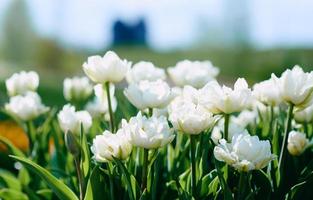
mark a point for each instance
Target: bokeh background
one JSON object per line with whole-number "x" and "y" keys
{"x": 244, "y": 38}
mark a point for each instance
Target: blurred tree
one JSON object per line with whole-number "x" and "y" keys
{"x": 19, "y": 37}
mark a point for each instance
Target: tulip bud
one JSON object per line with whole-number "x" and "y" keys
{"x": 72, "y": 144}
{"x": 297, "y": 142}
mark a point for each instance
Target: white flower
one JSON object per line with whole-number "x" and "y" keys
{"x": 100, "y": 104}
{"x": 267, "y": 92}
{"x": 149, "y": 94}
{"x": 27, "y": 106}
{"x": 194, "y": 73}
{"x": 144, "y": 71}
{"x": 148, "y": 133}
{"x": 245, "y": 152}
{"x": 77, "y": 88}
{"x": 109, "y": 68}
{"x": 246, "y": 117}
{"x": 295, "y": 86}
{"x": 233, "y": 129}
{"x": 20, "y": 83}
{"x": 188, "y": 116}
{"x": 219, "y": 99}
{"x": 108, "y": 145}
{"x": 71, "y": 120}
{"x": 305, "y": 115}
{"x": 297, "y": 143}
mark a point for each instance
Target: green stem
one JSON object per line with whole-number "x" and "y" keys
{"x": 80, "y": 178}
{"x": 241, "y": 186}
{"x": 150, "y": 112}
{"x": 193, "y": 165}
{"x": 226, "y": 125}
{"x": 286, "y": 133}
{"x": 127, "y": 176}
{"x": 107, "y": 87}
{"x": 30, "y": 135}
{"x": 144, "y": 169}
{"x": 305, "y": 128}
{"x": 270, "y": 131}
{"x": 111, "y": 184}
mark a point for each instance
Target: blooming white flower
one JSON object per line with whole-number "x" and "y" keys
{"x": 148, "y": 133}
{"x": 305, "y": 115}
{"x": 267, "y": 92}
{"x": 27, "y": 106}
{"x": 194, "y": 73}
{"x": 20, "y": 83}
{"x": 246, "y": 117}
{"x": 187, "y": 115}
{"x": 109, "y": 145}
{"x": 297, "y": 143}
{"x": 71, "y": 120}
{"x": 109, "y": 68}
{"x": 295, "y": 86}
{"x": 149, "y": 94}
{"x": 77, "y": 88}
{"x": 144, "y": 71}
{"x": 245, "y": 152}
{"x": 219, "y": 99}
{"x": 233, "y": 129}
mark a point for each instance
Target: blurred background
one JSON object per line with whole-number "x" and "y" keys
{"x": 244, "y": 38}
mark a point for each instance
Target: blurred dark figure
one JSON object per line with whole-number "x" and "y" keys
{"x": 126, "y": 34}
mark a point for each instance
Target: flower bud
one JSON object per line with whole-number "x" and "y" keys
{"x": 297, "y": 143}
{"x": 72, "y": 144}
{"x": 77, "y": 89}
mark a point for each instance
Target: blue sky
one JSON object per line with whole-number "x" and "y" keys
{"x": 174, "y": 23}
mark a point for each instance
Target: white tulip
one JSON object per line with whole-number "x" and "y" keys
{"x": 101, "y": 101}
{"x": 297, "y": 143}
{"x": 267, "y": 92}
{"x": 109, "y": 68}
{"x": 194, "y": 73}
{"x": 234, "y": 129}
{"x": 305, "y": 115}
{"x": 246, "y": 117}
{"x": 219, "y": 99}
{"x": 22, "y": 82}
{"x": 148, "y": 133}
{"x": 295, "y": 86}
{"x": 244, "y": 153}
{"x": 108, "y": 146}
{"x": 27, "y": 106}
{"x": 77, "y": 88}
{"x": 144, "y": 71}
{"x": 149, "y": 94}
{"x": 71, "y": 120}
{"x": 187, "y": 115}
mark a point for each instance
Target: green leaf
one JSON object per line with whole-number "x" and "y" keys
{"x": 10, "y": 194}
{"x": 45, "y": 193}
{"x": 58, "y": 187}
{"x": 11, "y": 148}
{"x": 96, "y": 185}
{"x": 85, "y": 154}
{"x": 9, "y": 180}
{"x": 127, "y": 176}
{"x": 205, "y": 183}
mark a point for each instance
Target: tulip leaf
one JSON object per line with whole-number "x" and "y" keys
{"x": 8, "y": 180}
{"x": 205, "y": 183}
{"x": 58, "y": 187}
{"x": 85, "y": 155}
{"x": 96, "y": 185}
{"x": 9, "y": 194}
